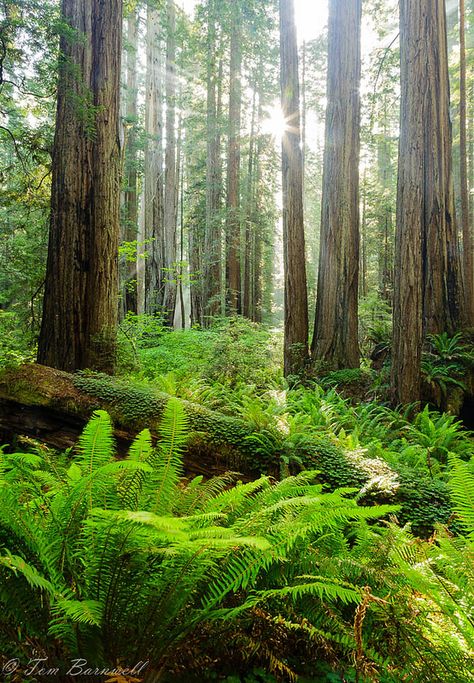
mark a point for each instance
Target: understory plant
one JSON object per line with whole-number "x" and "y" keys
{"x": 120, "y": 560}
{"x": 125, "y": 561}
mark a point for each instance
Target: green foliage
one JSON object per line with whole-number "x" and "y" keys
{"x": 445, "y": 363}
{"x": 439, "y": 433}
{"x": 425, "y": 503}
{"x": 375, "y": 323}
{"x": 15, "y": 346}
{"x": 123, "y": 559}
{"x": 345, "y": 377}
{"x": 232, "y": 352}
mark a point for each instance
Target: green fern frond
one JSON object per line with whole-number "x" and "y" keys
{"x": 461, "y": 483}
{"x": 96, "y": 445}
{"x": 173, "y": 434}
{"x": 130, "y": 486}
{"x": 17, "y": 565}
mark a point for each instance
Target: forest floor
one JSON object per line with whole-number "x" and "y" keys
{"x": 413, "y": 470}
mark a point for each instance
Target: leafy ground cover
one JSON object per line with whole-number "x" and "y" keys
{"x": 330, "y": 573}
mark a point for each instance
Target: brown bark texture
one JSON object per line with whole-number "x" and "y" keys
{"x": 335, "y": 340}
{"x": 425, "y": 26}
{"x": 81, "y": 294}
{"x": 427, "y": 265}
{"x": 294, "y": 259}
{"x": 467, "y": 238}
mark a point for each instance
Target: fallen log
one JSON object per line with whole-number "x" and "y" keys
{"x": 53, "y": 407}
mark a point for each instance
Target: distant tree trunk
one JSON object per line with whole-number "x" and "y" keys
{"x": 212, "y": 249}
{"x": 248, "y": 302}
{"x": 257, "y": 243}
{"x": 385, "y": 218}
{"x": 294, "y": 259}
{"x": 171, "y": 178}
{"x": 80, "y": 304}
{"x": 233, "y": 167}
{"x": 153, "y": 172}
{"x": 130, "y": 233}
{"x": 363, "y": 256}
{"x": 465, "y": 208}
{"x": 220, "y": 183}
{"x": 427, "y": 290}
{"x": 335, "y": 340}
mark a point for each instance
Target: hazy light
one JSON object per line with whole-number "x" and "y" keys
{"x": 311, "y": 18}
{"x": 274, "y": 123}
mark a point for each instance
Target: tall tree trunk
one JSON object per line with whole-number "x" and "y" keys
{"x": 465, "y": 208}
{"x": 248, "y": 302}
{"x": 385, "y": 217}
{"x": 335, "y": 340}
{"x": 363, "y": 256}
{"x": 130, "y": 233}
{"x": 80, "y": 304}
{"x": 427, "y": 290}
{"x": 233, "y": 167}
{"x": 171, "y": 178}
{"x": 443, "y": 304}
{"x": 212, "y": 248}
{"x": 258, "y": 200}
{"x": 153, "y": 172}
{"x": 294, "y": 259}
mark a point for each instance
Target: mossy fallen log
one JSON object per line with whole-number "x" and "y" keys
{"x": 53, "y": 407}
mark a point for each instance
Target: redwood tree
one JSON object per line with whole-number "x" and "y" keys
{"x": 153, "y": 195}
{"x": 80, "y": 303}
{"x": 212, "y": 238}
{"x": 335, "y": 340}
{"x": 468, "y": 260}
{"x": 130, "y": 227}
{"x": 296, "y": 299}
{"x": 428, "y": 293}
{"x": 171, "y": 175}
{"x": 233, "y": 267}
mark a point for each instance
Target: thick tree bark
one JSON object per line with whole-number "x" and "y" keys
{"x": 467, "y": 239}
{"x": 443, "y": 304}
{"x": 80, "y": 304}
{"x": 171, "y": 177}
{"x": 234, "y": 301}
{"x": 130, "y": 232}
{"x": 294, "y": 259}
{"x": 153, "y": 173}
{"x": 427, "y": 285}
{"x": 335, "y": 340}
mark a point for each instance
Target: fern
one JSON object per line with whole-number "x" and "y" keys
{"x": 122, "y": 560}
{"x": 173, "y": 436}
{"x": 462, "y": 491}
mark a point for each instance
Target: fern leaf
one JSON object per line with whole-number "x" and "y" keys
{"x": 96, "y": 446}
{"x": 174, "y": 435}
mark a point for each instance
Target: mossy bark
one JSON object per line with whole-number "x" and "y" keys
{"x": 53, "y": 407}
